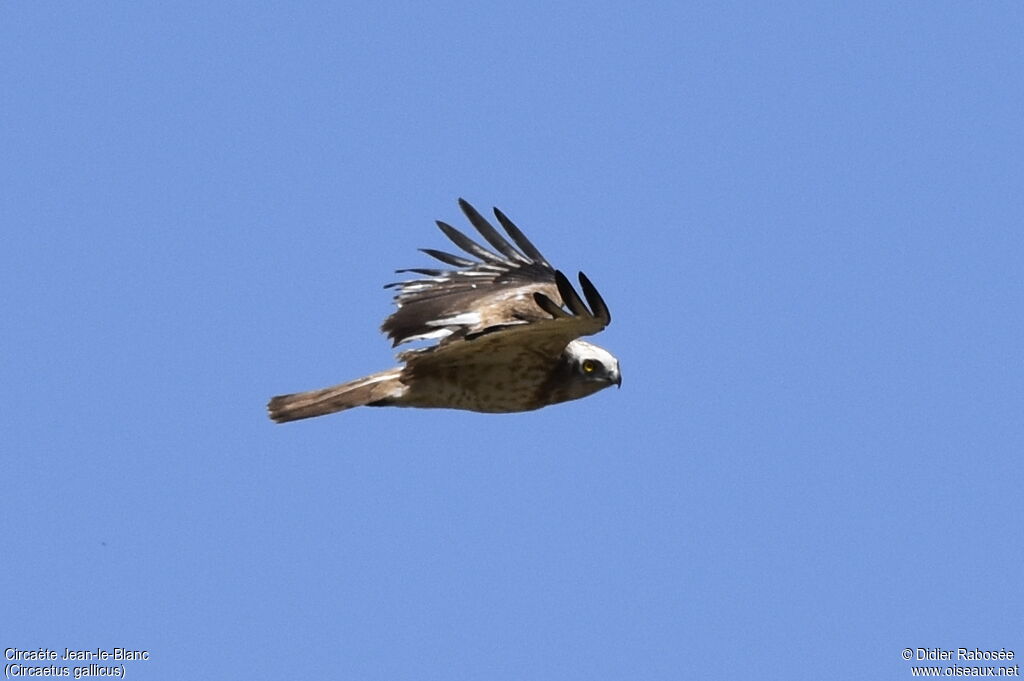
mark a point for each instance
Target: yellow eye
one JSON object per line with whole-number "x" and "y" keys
{"x": 589, "y": 366}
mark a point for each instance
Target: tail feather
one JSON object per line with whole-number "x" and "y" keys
{"x": 373, "y": 390}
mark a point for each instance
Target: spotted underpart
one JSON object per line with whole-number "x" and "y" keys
{"x": 507, "y": 328}
{"x": 491, "y": 388}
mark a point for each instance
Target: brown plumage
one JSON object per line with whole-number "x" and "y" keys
{"x": 507, "y": 327}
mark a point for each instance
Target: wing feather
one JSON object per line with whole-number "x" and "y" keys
{"x": 426, "y": 271}
{"x": 524, "y": 244}
{"x": 545, "y": 337}
{"x": 470, "y": 246}
{"x": 448, "y": 258}
{"x": 511, "y": 286}
{"x": 488, "y": 232}
{"x": 597, "y": 304}
{"x": 549, "y": 306}
{"x": 571, "y": 299}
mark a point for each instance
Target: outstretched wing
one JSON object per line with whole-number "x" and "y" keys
{"x": 537, "y": 344}
{"x": 494, "y": 288}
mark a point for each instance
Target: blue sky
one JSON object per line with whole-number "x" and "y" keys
{"x": 805, "y": 217}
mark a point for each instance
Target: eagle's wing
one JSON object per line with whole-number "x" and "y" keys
{"x": 494, "y": 289}
{"x": 538, "y": 342}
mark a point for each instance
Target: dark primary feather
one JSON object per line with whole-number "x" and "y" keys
{"x": 427, "y": 271}
{"x": 528, "y": 248}
{"x": 597, "y": 311}
{"x": 549, "y": 306}
{"x": 571, "y": 299}
{"x": 446, "y": 258}
{"x": 470, "y": 246}
{"x": 487, "y": 230}
{"x": 597, "y": 304}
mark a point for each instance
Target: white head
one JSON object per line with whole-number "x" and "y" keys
{"x": 584, "y": 369}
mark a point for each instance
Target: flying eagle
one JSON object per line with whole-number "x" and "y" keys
{"x": 507, "y": 327}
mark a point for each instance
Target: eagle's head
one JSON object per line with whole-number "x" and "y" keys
{"x": 584, "y": 369}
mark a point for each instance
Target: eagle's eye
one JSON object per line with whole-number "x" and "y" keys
{"x": 589, "y": 366}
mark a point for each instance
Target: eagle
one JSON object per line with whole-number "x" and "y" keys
{"x": 507, "y": 327}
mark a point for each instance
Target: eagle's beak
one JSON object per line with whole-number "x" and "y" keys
{"x": 618, "y": 378}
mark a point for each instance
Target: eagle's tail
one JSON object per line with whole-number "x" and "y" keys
{"x": 373, "y": 390}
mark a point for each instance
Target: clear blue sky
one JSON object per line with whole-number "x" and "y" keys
{"x": 805, "y": 217}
